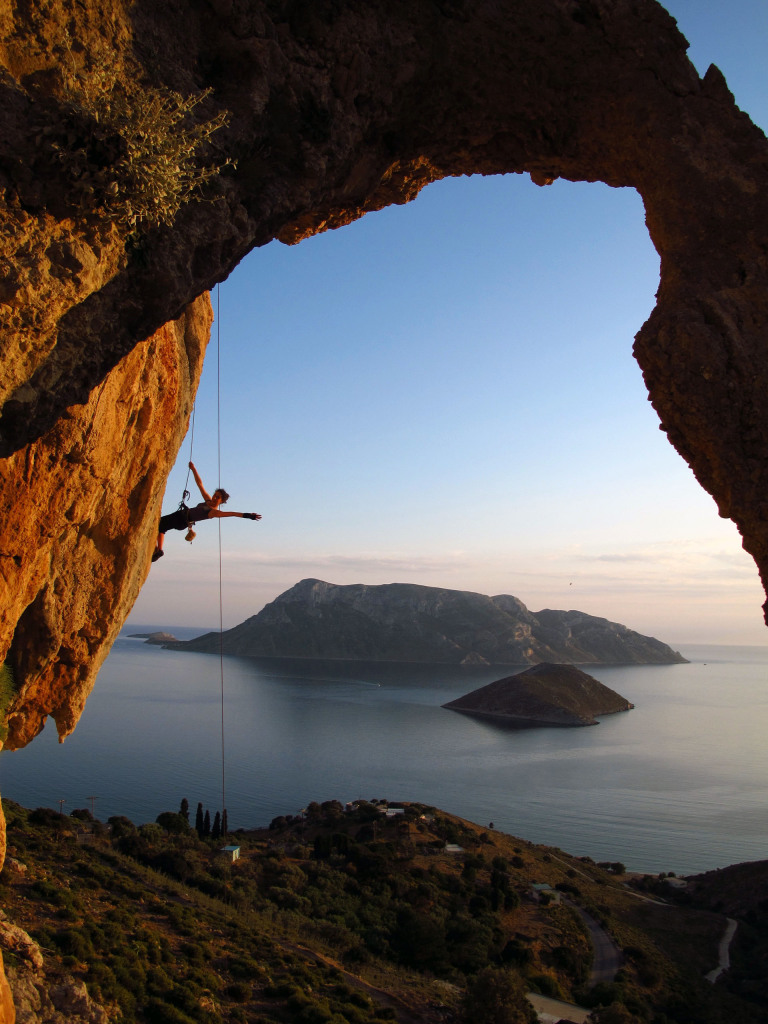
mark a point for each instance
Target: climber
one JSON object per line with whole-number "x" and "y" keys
{"x": 183, "y": 517}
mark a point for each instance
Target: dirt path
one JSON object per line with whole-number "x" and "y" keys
{"x": 430, "y": 1013}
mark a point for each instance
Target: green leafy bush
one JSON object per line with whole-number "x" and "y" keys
{"x": 131, "y": 153}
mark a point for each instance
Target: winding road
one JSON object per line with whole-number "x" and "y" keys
{"x": 608, "y": 957}
{"x": 723, "y": 951}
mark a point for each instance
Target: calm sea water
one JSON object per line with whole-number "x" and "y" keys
{"x": 678, "y": 784}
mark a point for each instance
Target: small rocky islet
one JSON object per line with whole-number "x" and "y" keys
{"x": 542, "y": 695}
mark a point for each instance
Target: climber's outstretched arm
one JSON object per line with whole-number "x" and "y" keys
{"x": 216, "y": 514}
{"x": 199, "y": 482}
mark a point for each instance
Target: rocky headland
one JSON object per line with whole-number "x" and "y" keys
{"x": 543, "y": 695}
{"x": 407, "y": 622}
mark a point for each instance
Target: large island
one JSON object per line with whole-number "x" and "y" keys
{"x": 409, "y": 623}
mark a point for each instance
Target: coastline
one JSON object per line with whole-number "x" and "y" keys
{"x": 659, "y": 790}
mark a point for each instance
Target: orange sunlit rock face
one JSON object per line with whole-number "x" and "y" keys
{"x": 79, "y": 509}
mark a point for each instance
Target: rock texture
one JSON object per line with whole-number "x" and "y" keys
{"x": 406, "y": 622}
{"x": 37, "y": 998}
{"x": 543, "y": 695}
{"x": 79, "y": 511}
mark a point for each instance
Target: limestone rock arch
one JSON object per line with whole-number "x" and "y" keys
{"x": 336, "y": 109}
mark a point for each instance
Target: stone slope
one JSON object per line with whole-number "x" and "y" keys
{"x": 406, "y": 622}
{"x": 543, "y": 695}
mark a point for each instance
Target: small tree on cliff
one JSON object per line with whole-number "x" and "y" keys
{"x": 184, "y": 809}
{"x": 216, "y": 830}
{"x": 130, "y": 153}
{"x": 207, "y": 823}
{"x": 199, "y": 822}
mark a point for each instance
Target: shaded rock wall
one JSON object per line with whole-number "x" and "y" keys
{"x": 337, "y": 109}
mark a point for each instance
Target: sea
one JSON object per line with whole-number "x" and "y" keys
{"x": 677, "y": 784}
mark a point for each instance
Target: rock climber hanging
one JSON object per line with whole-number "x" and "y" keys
{"x": 183, "y": 518}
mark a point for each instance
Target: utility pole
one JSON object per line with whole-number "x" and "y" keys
{"x": 61, "y": 805}
{"x": 93, "y": 799}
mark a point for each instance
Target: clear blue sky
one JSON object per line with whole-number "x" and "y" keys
{"x": 444, "y": 393}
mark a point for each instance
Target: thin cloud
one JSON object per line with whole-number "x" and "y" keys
{"x": 311, "y": 564}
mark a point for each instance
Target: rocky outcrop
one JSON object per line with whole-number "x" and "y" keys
{"x": 38, "y": 998}
{"x": 334, "y": 110}
{"x": 79, "y": 510}
{"x": 158, "y": 639}
{"x": 37, "y": 1001}
{"x": 406, "y": 622}
{"x": 543, "y": 695}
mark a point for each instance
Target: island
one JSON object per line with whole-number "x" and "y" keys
{"x": 160, "y": 639}
{"x": 543, "y": 695}
{"x": 405, "y": 622}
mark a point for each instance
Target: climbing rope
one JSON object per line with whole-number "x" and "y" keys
{"x": 191, "y": 534}
{"x": 221, "y": 592}
{"x": 185, "y": 495}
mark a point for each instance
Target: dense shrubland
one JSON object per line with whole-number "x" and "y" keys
{"x": 344, "y": 916}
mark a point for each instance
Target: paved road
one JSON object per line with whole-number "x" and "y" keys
{"x": 723, "y": 952}
{"x": 550, "y": 1011}
{"x": 608, "y": 957}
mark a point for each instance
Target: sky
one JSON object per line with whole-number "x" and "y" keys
{"x": 444, "y": 393}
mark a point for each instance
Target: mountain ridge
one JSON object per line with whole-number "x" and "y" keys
{"x": 416, "y": 623}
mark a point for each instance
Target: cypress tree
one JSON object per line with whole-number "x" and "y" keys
{"x": 207, "y": 823}
{"x": 216, "y": 830}
{"x": 199, "y": 821}
{"x": 184, "y": 809}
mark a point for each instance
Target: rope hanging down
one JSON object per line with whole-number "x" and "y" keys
{"x": 221, "y": 596}
{"x": 184, "y": 518}
{"x": 185, "y": 495}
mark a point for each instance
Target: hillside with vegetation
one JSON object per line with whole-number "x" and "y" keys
{"x": 369, "y": 913}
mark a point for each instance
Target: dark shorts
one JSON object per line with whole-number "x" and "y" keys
{"x": 173, "y": 521}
